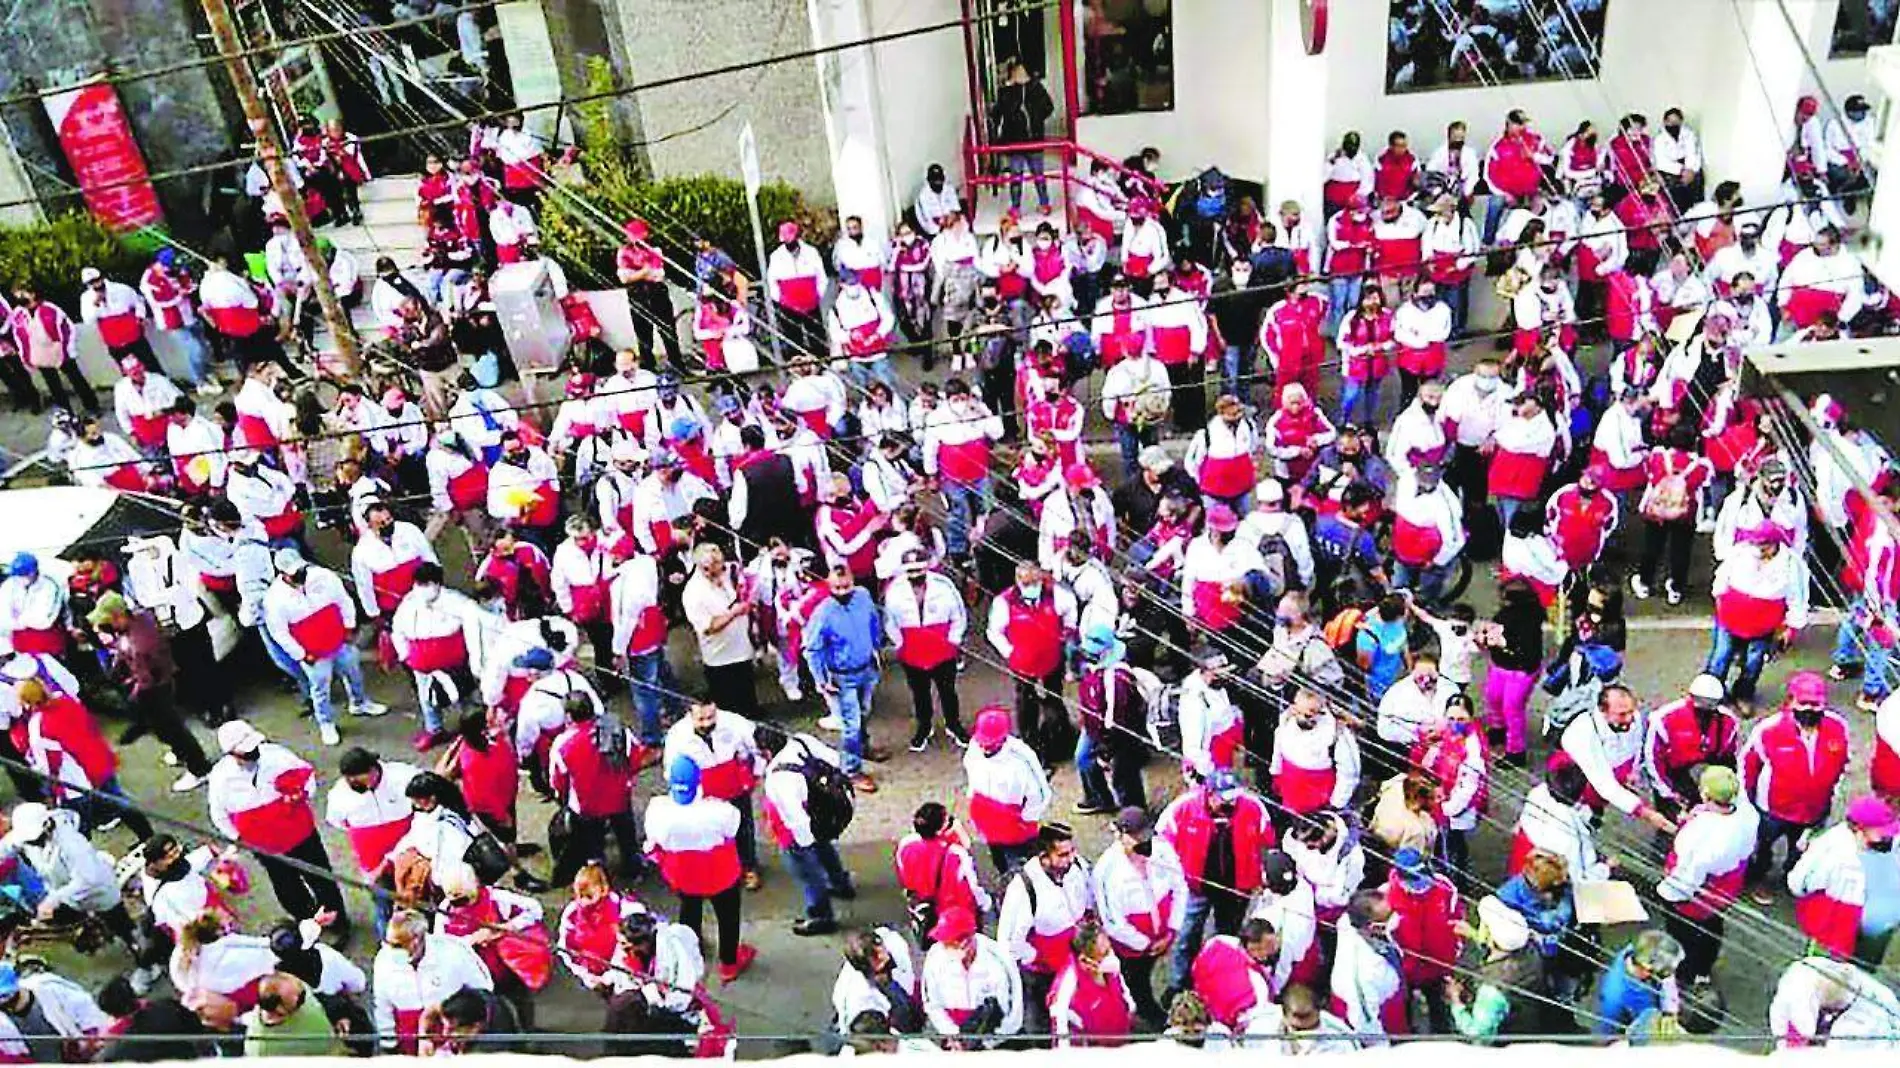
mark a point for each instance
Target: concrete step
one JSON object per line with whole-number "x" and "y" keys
{"x": 390, "y": 212}
{"x": 992, "y": 203}
{"x": 391, "y": 187}
{"x": 403, "y": 241}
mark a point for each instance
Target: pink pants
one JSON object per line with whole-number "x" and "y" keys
{"x": 1507, "y": 698}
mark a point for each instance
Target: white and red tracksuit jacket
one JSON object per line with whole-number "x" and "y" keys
{"x": 1580, "y": 524}
{"x": 229, "y": 303}
{"x": 1754, "y": 597}
{"x": 168, "y": 298}
{"x": 1295, "y": 919}
{"x": 233, "y": 966}
{"x": 1091, "y": 1013}
{"x": 957, "y": 443}
{"x": 1221, "y": 457}
{"x": 1547, "y": 824}
{"x": 1009, "y": 793}
{"x": 385, "y": 570}
{"x": 1030, "y": 635}
{"x": 1314, "y": 767}
{"x": 1610, "y": 759}
{"x": 1211, "y": 727}
{"x": 1525, "y": 448}
{"x": 940, "y": 870}
{"x": 581, "y": 776}
{"x": 1120, "y": 332}
{"x": 266, "y": 806}
{"x": 1813, "y": 283}
{"x": 63, "y": 742}
{"x": 729, "y": 760}
{"x": 1142, "y": 901}
{"x": 430, "y": 630}
{"x": 1423, "y": 334}
{"x": 1708, "y": 861}
{"x": 1206, "y": 572}
{"x": 537, "y": 479}
{"x": 1188, "y": 827}
{"x": 119, "y": 314}
{"x": 1792, "y": 774}
{"x": 1830, "y": 888}
{"x": 1368, "y": 991}
{"x": 928, "y": 630}
{"x": 639, "y": 622}
{"x": 30, "y": 613}
{"x": 696, "y": 845}
{"x": 861, "y": 324}
{"x": 1177, "y": 328}
{"x": 581, "y": 576}
{"x": 313, "y": 622}
{"x": 1619, "y": 445}
{"x": 1398, "y": 242}
{"x": 405, "y": 990}
{"x": 1144, "y": 248}
{"x": 376, "y": 819}
{"x": 1428, "y": 528}
{"x": 1232, "y": 984}
{"x": 951, "y": 990}
{"x": 588, "y": 933}
{"x": 1799, "y": 1017}
{"x": 1039, "y": 915}
{"x": 796, "y": 280}
{"x": 266, "y": 496}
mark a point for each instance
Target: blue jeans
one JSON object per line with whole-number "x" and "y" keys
{"x": 1094, "y": 779}
{"x": 965, "y": 504}
{"x": 852, "y": 704}
{"x": 1023, "y": 166}
{"x": 1355, "y": 396}
{"x": 1458, "y": 299}
{"x": 1754, "y": 654}
{"x": 432, "y": 713}
{"x": 653, "y": 687}
{"x": 1494, "y": 208}
{"x": 1188, "y": 943}
{"x": 286, "y": 663}
{"x": 1507, "y": 508}
{"x": 197, "y": 354}
{"x": 1851, "y": 642}
{"x": 1344, "y": 297}
{"x": 1131, "y": 442}
{"x": 1236, "y": 361}
{"x": 348, "y": 663}
{"x": 1427, "y": 582}
{"x": 819, "y": 873}
{"x": 865, "y": 372}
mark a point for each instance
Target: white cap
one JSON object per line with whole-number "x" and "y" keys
{"x": 1269, "y": 491}
{"x": 1503, "y": 925}
{"x": 628, "y": 449}
{"x": 89, "y": 276}
{"x": 237, "y": 736}
{"x": 1707, "y": 687}
{"x": 288, "y": 561}
{"x": 457, "y": 879}
{"x": 29, "y": 822}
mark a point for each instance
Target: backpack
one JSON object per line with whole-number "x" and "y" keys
{"x": 1667, "y": 499}
{"x": 829, "y": 798}
{"x": 1164, "y": 719}
{"x": 1277, "y": 566}
{"x": 610, "y": 740}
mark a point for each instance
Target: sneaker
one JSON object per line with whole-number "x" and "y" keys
{"x": 1093, "y": 808}
{"x": 329, "y": 734}
{"x": 427, "y": 740}
{"x": 168, "y": 758}
{"x": 1867, "y": 702}
{"x": 863, "y": 783}
{"x": 920, "y": 741}
{"x": 810, "y": 926}
{"x": 876, "y": 754}
{"x": 186, "y": 783}
{"x": 746, "y": 955}
{"x": 831, "y": 723}
{"x": 1843, "y": 672}
{"x": 847, "y": 892}
{"x": 753, "y": 881}
{"x": 209, "y": 388}
{"x": 369, "y": 709}
{"x": 794, "y": 695}
{"x": 1762, "y": 896}
{"x": 958, "y": 735}
{"x": 1672, "y": 593}
{"x": 1639, "y": 587}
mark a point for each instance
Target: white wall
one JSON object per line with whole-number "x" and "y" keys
{"x": 922, "y": 93}
{"x": 1220, "y": 94}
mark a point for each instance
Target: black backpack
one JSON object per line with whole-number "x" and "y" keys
{"x": 829, "y": 799}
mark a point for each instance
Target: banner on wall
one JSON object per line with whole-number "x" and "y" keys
{"x": 97, "y": 139}
{"x": 1434, "y": 45}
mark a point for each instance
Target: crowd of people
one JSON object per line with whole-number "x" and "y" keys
{"x": 1263, "y": 619}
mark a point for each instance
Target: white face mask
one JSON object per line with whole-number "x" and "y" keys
{"x": 1487, "y": 384}
{"x": 1031, "y": 594}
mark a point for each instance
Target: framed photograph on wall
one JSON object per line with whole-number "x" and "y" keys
{"x": 1452, "y": 44}
{"x": 1862, "y": 24}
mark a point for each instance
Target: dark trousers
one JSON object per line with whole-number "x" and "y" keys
{"x": 1774, "y": 829}
{"x": 19, "y": 383}
{"x": 587, "y": 840}
{"x": 731, "y": 687}
{"x": 803, "y": 333}
{"x": 205, "y": 685}
{"x": 1008, "y": 859}
{"x": 156, "y": 710}
{"x": 1036, "y": 987}
{"x": 820, "y": 874}
{"x": 349, "y": 204}
{"x": 1667, "y": 543}
{"x": 653, "y": 312}
{"x": 1190, "y": 398}
{"x": 117, "y": 921}
{"x": 106, "y": 803}
{"x": 55, "y": 389}
{"x": 943, "y": 679}
{"x": 725, "y": 907}
{"x": 1408, "y": 386}
{"x": 26, "y": 785}
{"x": 600, "y": 634}
{"x": 142, "y": 349}
{"x": 1138, "y": 973}
{"x": 302, "y": 893}
{"x": 1701, "y": 943}
{"x": 1112, "y": 775}
{"x": 1041, "y": 717}
{"x": 1871, "y": 949}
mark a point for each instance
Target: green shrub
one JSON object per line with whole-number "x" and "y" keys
{"x": 580, "y": 222}
{"x": 49, "y": 256}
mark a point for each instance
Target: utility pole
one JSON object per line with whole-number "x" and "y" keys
{"x": 271, "y": 152}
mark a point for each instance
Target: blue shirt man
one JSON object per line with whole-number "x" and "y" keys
{"x": 1637, "y": 980}
{"x": 841, "y": 644}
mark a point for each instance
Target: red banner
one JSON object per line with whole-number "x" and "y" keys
{"x": 97, "y": 139}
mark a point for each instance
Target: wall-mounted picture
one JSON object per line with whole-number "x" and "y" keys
{"x": 1862, "y": 24}
{"x": 1452, "y": 44}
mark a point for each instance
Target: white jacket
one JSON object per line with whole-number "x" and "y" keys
{"x": 947, "y": 985}
{"x": 788, "y": 791}
{"x": 1364, "y": 980}
{"x": 231, "y": 788}
{"x": 1327, "y": 744}
{"x": 853, "y": 993}
{"x": 373, "y": 556}
{"x": 1013, "y": 776}
{"x": 76, "y": 873}
{"x": 1123, "y": 892}
{"x": 448, "y": 966}
{"x": 1709, "y": 843}
{"x": 286, "y": 605}
{"x": 1564, "y": 830}
{"x": 1601, "y": 753}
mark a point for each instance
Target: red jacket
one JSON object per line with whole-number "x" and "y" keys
{"x": 67, "y": 732}
{"x": 1645, "y": 218}
{"x": 1189, "y": 828}
{"x": 581, "y": 776}
{"x": 1422, "y": 928}
{"x": 1790, "y": 777}
{"x": 1678, "y": 741}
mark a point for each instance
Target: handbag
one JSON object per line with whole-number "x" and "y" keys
{"x": 488, "y": 857}
{"x": 923, "y": 910}
{"x": 528, "y": 954}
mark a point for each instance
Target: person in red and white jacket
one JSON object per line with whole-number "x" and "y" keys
{"x": 957, "y": 440}
{"x": 693, "y": 836}
{"x": 168, "y": 293}
{"x": 1607, "y": 744}
{"x": 1428, "y": 532}
{"x": 1315, "y": 763}
{"x": 796, "y": 281}
{"x": 1179, "y": 333}
{"x": 119, "y": 314}
{"x": 1426, "y": 914}
{"x": 1292, "y": 339}
{"x": 433, "y": 632}
{"x": 370, "y": 805}
{"x": 1823, "y": 277}
{"x": 926, "y": 622}
{"x": 1028, "y": 627}
{"x": 1581, "y": 517}
{"x": 721, "y": 743}
{"x": 1761, "y": 597}
{"x": 1348, "y": 258}
{"x": 1525, "y": 446}
{"x": 862, "y": 327}
{"x": 1821, "y": 1001}
{"x": 1294, "y": 434}
{"x": 1235, "y": 975}
{"x": 1212, "y": 733}
{"x": 1619, "y": 448}
{"x": 1220, "y": 456}
{"x": 311, "y": 617}
{"x": 259, "y": 795}
{"x": 1684, "y": 735}
{"x": 1829, "y": 880}
{"x": 963, "y": 970}
{"x": 1141, "y": 896}
{"x": 230, "y": 304}
{"x": 1420, "y": 436}
{"x": 1398, "y": 238}
{"x": 934, "y": 864}
{"x": 1792, "y": 766}
{"x": 142, "y": 401}
{"x": 1514, "y": 166}
{"x": 639, "y": 642}
{"x": 1144, "y": 245}
{"x": 1705, "y": 869}
{"x": 1369, "y": 990}
{"x": 1046, "y": 900}
{"x": 1190, "y": 825}
{"x": 1555, "y": 820}
{"x": 1090, "y": 1004}
{"x": 591, "y": 770}
{"x": 1009, "y": 791}
{"x": 581, "y": 573}
{"x": 415, "y": 971}
{"x": 384, "y": 562}
{"x": 588, "y": 931}
{"x": 263, "y": 495}
{"x": 1422, "y": 328}
{"x": 1119, "y": 326}
{"x": 524, "y": 488}
{"x": 814, "y": 859}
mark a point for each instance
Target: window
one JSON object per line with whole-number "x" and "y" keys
{"x": 1862, "y": 24}
{"x": 1446, "y": 44}
{"x": 1127, "y": 56}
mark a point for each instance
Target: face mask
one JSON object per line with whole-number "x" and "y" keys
{"x": 1487, "y": 384}
{"x": 1809, "y": 717}
{"x": 1885, "y": 845}
{"x": 1430, "y": 409}
{"x": 1146, "y": 848}
{"x": 1031, "y": 594}
{"x": 1625, "y": 727}
{"x": 841, "y": 596}
{"x": 1427, "y": 683}
{"x": 1459, "y": 728}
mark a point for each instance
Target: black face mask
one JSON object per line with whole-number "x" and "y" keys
{"x": 841, "y": 598}
{"x": 1809, "y": 717}
{"x": 1146, "y": 848}
{"x": 1885, "y": 845}
{"x": 175, "y": 871}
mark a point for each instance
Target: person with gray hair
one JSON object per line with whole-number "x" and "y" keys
{"x": 718, "y": 610}
{"x": 415, "y": 971}
{"x": 1639, "y": 979}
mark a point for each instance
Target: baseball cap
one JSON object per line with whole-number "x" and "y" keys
{"x": 237, "y": 736}
{"x": 1269, "y": 491}
{"x": 992, "y": 726}
{"x": 1706, "y": 687}
{"x": 954, "y": 924}
{"x": 1155, "y": 458}
{"x": 1221, "y": 518}
{"x": 787, "y": 230}
{"x": 1224, "y": 784}
{"x": 29, "y": 822}
{"x": 1870, "y": 813}
{"x": 1807, "y": 688}
{"x": 289, "y": 561}
{"x": 1719, "y": 784}
{"x": 535, "y": 660}
{"x": 1411, "y": 865}
{"x": 1133, "y": 822}
{"x": 90, "y": 275}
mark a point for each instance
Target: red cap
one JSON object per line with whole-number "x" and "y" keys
{"x": 580, "y": 384}
{"x": 1080, "y": 475}
{"x": 992, "y": 725}
{"x": 954, "y": 924}
{"x": 787, "y": 230}
{"x": 1807, "y": 688}
{"x": 1870, "y": 813}
{"x": 1220, "y": 517}
{"x": 636, "y": 229}
{"x": 1599, "y": 473}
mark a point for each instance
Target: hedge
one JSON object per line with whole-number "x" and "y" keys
{"x": 49, "y": 256}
